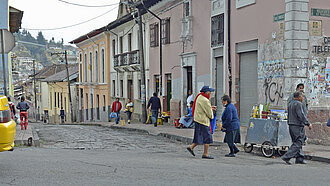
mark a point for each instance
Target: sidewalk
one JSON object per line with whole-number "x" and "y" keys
{"x": 26, "y": 137}
{"x": 312, "y": 152}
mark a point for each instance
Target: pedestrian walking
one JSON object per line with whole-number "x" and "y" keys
{"x": 23, "y": 107}
{"x": 12, "y": 108}
{"x": 62, "y": 115}
{"x": 297, "y": 120}
{"x": 154, "y": 107}
{"x": 116, "y": 107}
{"x": 230, "y": 125}
{"x": 202, "y": 112}
{"x": 188, "y": 119}
{"x": 129, "y": 110}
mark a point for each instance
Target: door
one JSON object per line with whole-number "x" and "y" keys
{"x": 169, "y": 91}
{"x": 130, "y": 93}
{"x": 219, "y": 85}
{"x": 248, "y": 85}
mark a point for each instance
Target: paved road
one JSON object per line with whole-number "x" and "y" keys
{"x": 91, "y": 155}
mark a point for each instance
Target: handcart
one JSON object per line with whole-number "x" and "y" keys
{"x": 269, "y": 134}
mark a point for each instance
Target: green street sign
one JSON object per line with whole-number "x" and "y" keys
{"x": 320, "y": 12}
{"x": 279, "y": 17}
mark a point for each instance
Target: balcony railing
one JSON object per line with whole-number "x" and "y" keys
{"x": 128, "y": 58}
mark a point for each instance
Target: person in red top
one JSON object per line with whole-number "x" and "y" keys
{"x": 116, "y": 107}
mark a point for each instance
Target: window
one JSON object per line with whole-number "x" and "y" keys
{"x": 121, "y": 88}
{"x": 97, "y": 107}
{"x": 113, "y": 88}
{"x": 113, "y": 48}
{"x": 129, "y": 39}
{"x": 80, "y": 68}
{"x": 154, "y": 35}
{"x": 85, "y": 73}
{"x": 103, "y": 65}
{"x": 55, "y": 99}
{"x": 121, "y": 45}
{"x": 90, "y": 66}
{"x": 96, "y": 66}
{"x": 58, "y": 100}
{"x": 61, "y": 100}
{"x": 140, "y": 89}
{"x": 51, "y": 101}
{"x": 103, "y": 103}
{"x": 217, "y": 32}
{"x": 187, "y": 9}
{"x": 166, "y": 31}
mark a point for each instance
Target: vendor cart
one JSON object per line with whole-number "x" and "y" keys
{"x": 269, "y": 134}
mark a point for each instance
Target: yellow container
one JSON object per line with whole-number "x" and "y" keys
{"x": 7, "y": 129}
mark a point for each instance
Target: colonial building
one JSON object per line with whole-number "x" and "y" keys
{"x": 185, "y": 42}
{"x": 125, "y": 60}
{"x": 94, "y": 75}
{"x": 58, "y": 95}
{"x": 260, "y": 51}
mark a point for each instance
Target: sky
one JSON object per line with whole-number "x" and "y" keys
{"x": 41, "y": 15}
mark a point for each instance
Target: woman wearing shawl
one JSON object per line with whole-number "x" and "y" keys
{"x": 202, "y": 113}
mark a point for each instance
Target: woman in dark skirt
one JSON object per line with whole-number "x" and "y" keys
{"x": 202, "y": 113}
{"x": 230, "y": 125}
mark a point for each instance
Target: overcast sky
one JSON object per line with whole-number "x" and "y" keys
{"x": 49, "y": 14}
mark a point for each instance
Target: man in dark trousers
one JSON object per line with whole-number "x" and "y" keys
{"x": 297, "y": 120}
{"x": 23, "y": 107}
{"x": 116, "y": 107}
{"x": 154, "y": 101}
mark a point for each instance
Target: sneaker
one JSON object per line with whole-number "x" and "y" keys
{"x": 236, "y": 151}
{"x": 301, "y": 162}
{"x": 287, "y": 161}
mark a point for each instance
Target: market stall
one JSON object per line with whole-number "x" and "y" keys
{"x": 268, "y": 130}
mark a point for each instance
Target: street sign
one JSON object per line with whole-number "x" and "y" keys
{"x": 320, "y": 12}
{"x": 8, "y": 39}
{"x": 279, "y": 17}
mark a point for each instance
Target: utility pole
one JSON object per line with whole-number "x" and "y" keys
{"x": 35, "y": 90}
{"x": 143, "y": 75}
{"x": 3, "y": 63}
{"x": 69, "y": 90}
{"x": 68, "y": 77}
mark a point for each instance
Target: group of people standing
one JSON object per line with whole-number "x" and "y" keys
{"x": 117, "y": 106}
{"x": 203, "y": 112}
{"x": 23, "y": 107}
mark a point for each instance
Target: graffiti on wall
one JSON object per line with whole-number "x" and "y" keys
{"x": 271, "y": 73}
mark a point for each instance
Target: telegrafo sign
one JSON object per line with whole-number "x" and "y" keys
{"x": 324, "y": 48}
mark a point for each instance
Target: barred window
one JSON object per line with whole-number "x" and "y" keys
{"x": 154, "y": 35}
{"x": 217, "y": 32}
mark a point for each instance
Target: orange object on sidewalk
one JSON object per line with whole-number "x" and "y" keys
{"x": 176, "y": 122}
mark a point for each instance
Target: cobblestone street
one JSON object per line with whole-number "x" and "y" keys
{"x": 94, "y": 155}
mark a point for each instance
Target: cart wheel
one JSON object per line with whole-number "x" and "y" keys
{"x": 267, "y": 149}
{"x": 281, "y": 151}
{"x": 248, "y": 147}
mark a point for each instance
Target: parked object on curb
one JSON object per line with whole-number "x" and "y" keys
{"x": 7, "y": 126}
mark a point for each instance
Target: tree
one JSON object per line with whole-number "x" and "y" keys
{"x": 41, "y": 39}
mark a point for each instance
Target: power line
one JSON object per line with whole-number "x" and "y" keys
{"x": 58, "y": 28}
{"x": 90, "y": 6}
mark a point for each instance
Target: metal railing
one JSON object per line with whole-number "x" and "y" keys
{"x": 128, "y": 58}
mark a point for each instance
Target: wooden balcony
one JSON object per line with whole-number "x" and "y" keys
{"x": 129, "y": 61}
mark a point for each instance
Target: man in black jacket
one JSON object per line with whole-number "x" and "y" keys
{"x": 297, "y": 120}
{"x": 154, "y": 101}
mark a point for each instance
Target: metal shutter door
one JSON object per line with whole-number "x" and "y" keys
{"x": 219, "y": 85}
{"x": 248, "y": 85}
